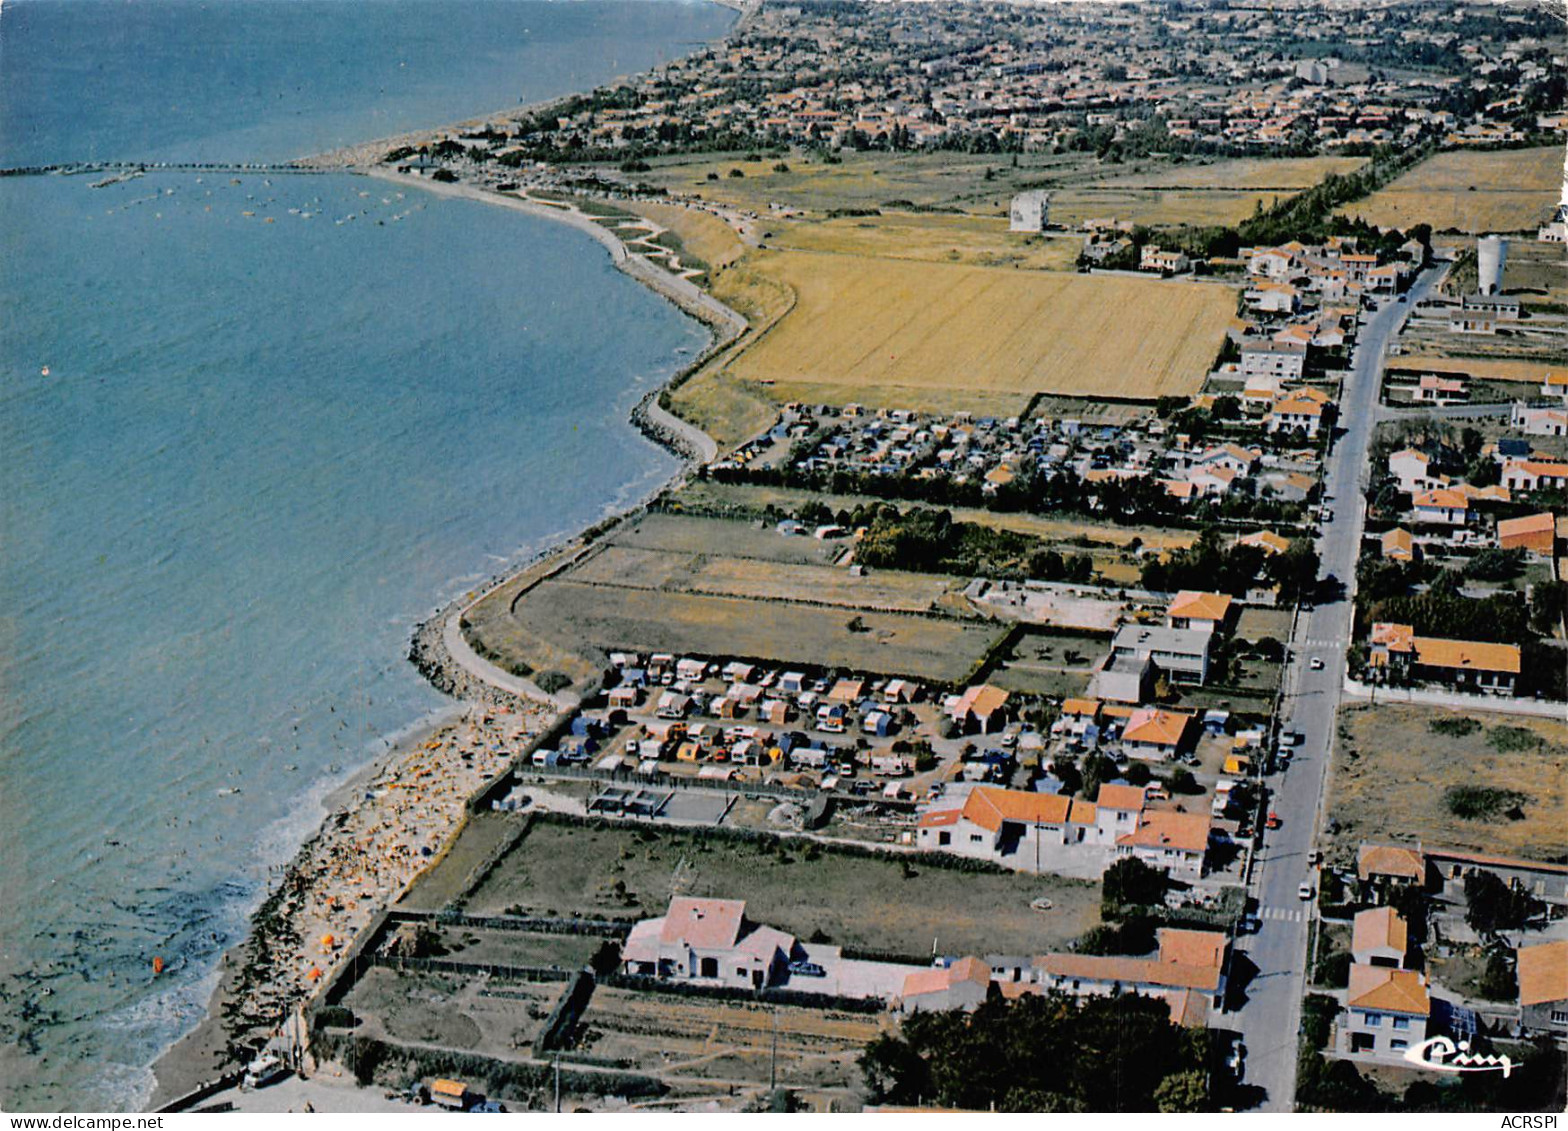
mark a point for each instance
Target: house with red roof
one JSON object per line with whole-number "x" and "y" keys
{"x": 1032, "y": 832}
{"x": 1188, "y": 973}
{"x": 708, "y": 942}
{"x": 1387, "y": 1011}
{"x": 963, "y": 984}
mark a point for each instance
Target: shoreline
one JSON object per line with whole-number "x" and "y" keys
{"x": 244, "y": 1002}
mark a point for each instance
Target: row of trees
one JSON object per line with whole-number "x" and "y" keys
{"x": 1045, "y": 1053}
{"x": 1211, "y": 565}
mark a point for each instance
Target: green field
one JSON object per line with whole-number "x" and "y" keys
{"x": 865, "y": 902}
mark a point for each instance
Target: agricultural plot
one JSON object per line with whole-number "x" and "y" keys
{"x": 486, "y": 1016}
{"x": 862, "y": 180}
{"x": 870, "y": 903}
{"x": 917, "y": 326}
{"x": 1065, "y": 534}
{"x": 1049, "y": 664}
{"x": 1269, "y": 174}
{"x": 1158, "y": 207}
{"x": 733, "y": 1041}
{"x": 981, "y": 241}
{"x": 714, "y": 586}
{"x": 763, "y": 580}
{"x": 1471, "y": 191}
{"x": 688, "y": 534}
{"x": 610, "y": 618}
{"x": 1517, "y": 370}
{"x": 1404, "y": 772}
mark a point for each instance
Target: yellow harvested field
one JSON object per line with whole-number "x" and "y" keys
{"x": 1071, "y": 207}
{"x": 1289, "y": 174}
{"x": 923, "y": 325}
{"x": 1480, "y": 368}
{"x": 983, "y": 241}
{"x": 1471, "y": 191}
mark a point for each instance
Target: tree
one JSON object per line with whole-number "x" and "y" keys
{"x": 1129, "y": 882}
{"x": 1497, "y": 980}
{"x": 1183, "y": 1091}
{"x": 894, "y": 1072}
{"x": 1493, "y": 906}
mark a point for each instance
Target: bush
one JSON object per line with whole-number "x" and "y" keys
{"x": 737, "y": 173}
{"x": 552, "y": 681}
{"x": 1480, "y": 802}
{"x": 1131, "y": 882}
{"x": 1508, "y": 740}
{"x": 1457, "y": 727}
{"x": 1333, "y": 970}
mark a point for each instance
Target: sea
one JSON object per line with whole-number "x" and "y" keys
{"x": 253, "y": 428}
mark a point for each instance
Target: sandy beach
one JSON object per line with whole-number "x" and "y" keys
{"x": 396, "y": 817}
{"x": 388, "y": 824}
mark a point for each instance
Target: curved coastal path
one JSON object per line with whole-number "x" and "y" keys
{"x": 686, "y": 438}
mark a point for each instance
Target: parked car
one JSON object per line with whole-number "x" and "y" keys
{"x": 1237, "y": 1060}
{"x": 1317, "y": 663}
{"x": 807, "y": 970}
{"x": 1249, "y": 925}
{"x": 1304, "y": 891}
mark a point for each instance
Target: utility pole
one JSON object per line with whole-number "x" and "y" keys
{"x": 558, "y": 1084}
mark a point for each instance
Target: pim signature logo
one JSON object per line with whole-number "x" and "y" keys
{"x": 1441, "y": 1055}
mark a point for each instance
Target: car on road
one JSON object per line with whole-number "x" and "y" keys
{"x": 1317, "y": 663}
{"x": 1249, "y": 925}
{"x": 807, "y": 970}
{"x": 1274, "y": 821}
{"x": 1304, "y": 891}
{"x": 1237, "y": 1060}
{"x": 1290, "y": 737}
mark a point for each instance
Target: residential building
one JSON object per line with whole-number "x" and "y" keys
{"x": 1296, "y": 411}
{"x": 1536, "y": 534}
{"x": 1539, "y": 420}
{"x": 1385, "y": 864}
{"x": 1176, "y": 842}
{"x": 1266, "y": 540}
{"x": 1188, "y": 973}
{"x": 962, "y": 985}
{"x": 1210, "y": 612}
{"x": 1535, "y": 475}
{"x": 1467, "y": 665}
{"x": 1399, "y": 545}
{"x": 708, "y": 941}
{"x": 1379, "y": 936}
{"x": 1181, "y": 653}
{"x": 1035, "y": 832}
{"x": 1155, "y": 733}
{"x": 1386, "y": 1012}
{"x": 1441, "y": 507}
{"x": 1543, "y": 989}
{"x": 1283, "y": 360}
{"x": 1125, "y": 679}
{"x": 980, "y": 708}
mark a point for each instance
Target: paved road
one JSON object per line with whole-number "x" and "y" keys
{"x": 1269, "y": 1019}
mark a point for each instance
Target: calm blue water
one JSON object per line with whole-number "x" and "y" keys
{"x": 262, "y": 451}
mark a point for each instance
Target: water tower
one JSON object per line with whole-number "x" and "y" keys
{"x": 1491, "y": 252}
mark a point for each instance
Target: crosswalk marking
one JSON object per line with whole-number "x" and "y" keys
{"x": 1284, "y": 914}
